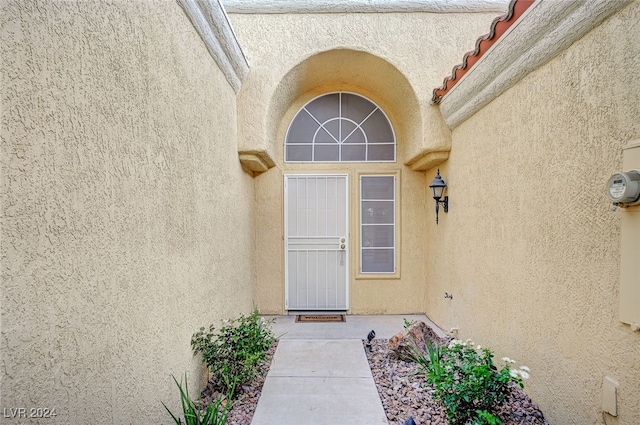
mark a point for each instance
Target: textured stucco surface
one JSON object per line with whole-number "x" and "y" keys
{"x": 363, "y": 6}
{"x": 530, "y": 246}
{"x": 420, "y": 46}
{"x": 210, "y": 21}
{"x": 403, "y": 294}
{"x": 394, "y": 59}
{"x": 126, "y": 217}
{"x": 547, "y": 29}
{"x": 127, "y": 221}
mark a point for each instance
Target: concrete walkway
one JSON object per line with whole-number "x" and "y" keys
{"x": 320, "y": 374}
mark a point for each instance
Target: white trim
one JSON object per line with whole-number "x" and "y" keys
{"x": 545, "y": 30}
{"x": 212, "y": 24}
{"x": 631, "y": 145}
{"x": 364, "y": 6}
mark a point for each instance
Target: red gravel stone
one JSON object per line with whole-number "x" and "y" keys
{"x": 405, "y": 393}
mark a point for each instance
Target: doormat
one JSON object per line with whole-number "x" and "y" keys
{"x": 320, "y": 318}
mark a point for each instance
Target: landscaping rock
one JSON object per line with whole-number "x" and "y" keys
{"x": 415, "y": 336}
{"x": 405, "y": 393}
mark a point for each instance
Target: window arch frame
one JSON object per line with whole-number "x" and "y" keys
{"x": 339, "y": 143}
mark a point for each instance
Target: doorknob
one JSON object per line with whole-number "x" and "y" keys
{"x": 342, "y": 246}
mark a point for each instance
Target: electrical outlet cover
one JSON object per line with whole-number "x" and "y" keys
{"x": 610, "y": 396}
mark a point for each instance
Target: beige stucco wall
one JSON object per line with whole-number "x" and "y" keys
{"x": 530, "y": 247}
{"x": 395, "y": 59}
{"x": 126, "y": 217}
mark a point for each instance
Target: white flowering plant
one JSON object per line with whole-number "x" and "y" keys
{"x": 466, "y": 382}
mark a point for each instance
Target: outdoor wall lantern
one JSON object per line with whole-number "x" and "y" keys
{"x": 437, "y": 186}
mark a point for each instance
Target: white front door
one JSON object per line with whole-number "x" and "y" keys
{"x": 316, "y": 242}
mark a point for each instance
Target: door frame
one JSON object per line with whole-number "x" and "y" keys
{"x": 348, "y": 236}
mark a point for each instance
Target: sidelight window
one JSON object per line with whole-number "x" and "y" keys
{"x": 377, "y": 224}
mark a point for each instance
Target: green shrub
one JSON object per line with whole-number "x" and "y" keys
{"x": 214, "y": 414}
{"x": 234, "y": 352}
{"x": 466, "y": 382}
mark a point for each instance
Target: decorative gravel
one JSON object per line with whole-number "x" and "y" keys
{"x": 403, "y": 391}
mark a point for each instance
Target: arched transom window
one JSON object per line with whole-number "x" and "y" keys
{"x": 340, "y": 127}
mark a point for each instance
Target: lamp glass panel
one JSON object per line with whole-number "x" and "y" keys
{"x": 437, "y": 191}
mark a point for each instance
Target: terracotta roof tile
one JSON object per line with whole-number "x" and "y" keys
{"x": 498, "y": 27}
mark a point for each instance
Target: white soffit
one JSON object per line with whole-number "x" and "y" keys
{"x": 363, "y": 6}
{"x": 210, "y": 20}
{"x": 545, "y": 29}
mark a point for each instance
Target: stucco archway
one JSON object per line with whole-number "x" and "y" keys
{"x": 344, "y": 70}
{"x": 351, "y": 70}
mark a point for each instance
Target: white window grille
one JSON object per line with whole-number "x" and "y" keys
{"x": 340, "y": 127}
